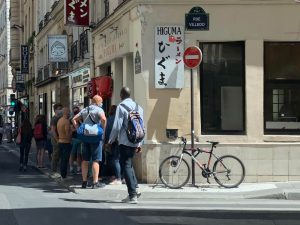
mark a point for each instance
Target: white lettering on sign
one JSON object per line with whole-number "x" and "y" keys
{"x": 197, "y": 24}
{"x": 192, "y": 57}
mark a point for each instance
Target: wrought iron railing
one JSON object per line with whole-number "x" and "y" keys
{"x": 84, "y": 43}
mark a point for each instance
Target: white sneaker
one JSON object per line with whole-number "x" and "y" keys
{"x": 129, "y": 200}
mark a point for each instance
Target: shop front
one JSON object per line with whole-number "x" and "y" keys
{"x": 245, "y": 90}
{"x": 78, "y": 82}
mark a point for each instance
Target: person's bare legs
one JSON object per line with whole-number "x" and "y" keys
{"x": 84, "y": 168}
{"x": 95, "y": 168}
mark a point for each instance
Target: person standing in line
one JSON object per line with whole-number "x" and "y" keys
{"x": 54, "y": 136}
{"x": 127, "y": 148}
{"x": 76, "y": 153}
{"x": 40, "y": 136}
{"x": 113, "y": 149}
{"x": 91, "y": 115}
{"x": 26, "y": 137}
{"x": 64, "y": 141}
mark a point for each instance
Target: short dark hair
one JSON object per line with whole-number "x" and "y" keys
{"x": 57, "y": 106}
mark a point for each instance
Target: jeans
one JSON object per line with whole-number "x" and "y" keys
{"x": 24, "y": 152}
{"x": 115, "y": 161}
{"x": 126, "y": 156}
{"x": 55, "y": 155}
{"x": 65, "y": 151}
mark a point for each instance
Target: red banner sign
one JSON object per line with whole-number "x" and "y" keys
{"x": 77, "y": 12}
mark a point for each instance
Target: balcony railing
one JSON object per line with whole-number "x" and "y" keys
{"x": 40, "y": 77}
{"x": 74, "y": 52}
{"x": 58, "y": 67}
{"x": 84, "y": 43}
{"x": 46, "y": 72}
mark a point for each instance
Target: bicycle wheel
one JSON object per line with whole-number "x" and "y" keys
{"x": 173, "y": 172}
{"x": 229, "y": 171}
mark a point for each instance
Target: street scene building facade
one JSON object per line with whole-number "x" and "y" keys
{"x": 246, "y": 90}
{"x": 5, "y": 70}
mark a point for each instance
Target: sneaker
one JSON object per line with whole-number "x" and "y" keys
{"x": 115, "y": 182}
{"x": 84, "y": 184}
{"x": 123, "y": 181}
{"x": 73, "y": 171}
{"x": 98, "y": 185}
{"x": 129, "y": 200}
{"x": 138, "y": 193}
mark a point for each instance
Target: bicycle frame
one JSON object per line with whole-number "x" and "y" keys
{"x": 190, "y": 152}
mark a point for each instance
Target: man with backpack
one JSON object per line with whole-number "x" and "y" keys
{"x": 129, "y": 130}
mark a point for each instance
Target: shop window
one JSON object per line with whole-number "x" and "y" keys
{"x": 282, "y": 87}
{"x": 222, "y": 83}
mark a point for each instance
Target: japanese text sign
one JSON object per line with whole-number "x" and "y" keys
{"x": 77, "y": 12}
{"x": 169, "y": 48}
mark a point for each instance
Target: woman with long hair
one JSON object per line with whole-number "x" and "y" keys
{"x": 25, "y": 144}
{"x": 40, "y": 136}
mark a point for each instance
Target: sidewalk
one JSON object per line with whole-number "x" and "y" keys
{"x": 269, "y": 190}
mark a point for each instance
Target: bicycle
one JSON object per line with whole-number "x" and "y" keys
{"x": 178, "y": 170}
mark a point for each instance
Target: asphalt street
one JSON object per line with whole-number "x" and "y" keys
{"x": 31, "y": 198}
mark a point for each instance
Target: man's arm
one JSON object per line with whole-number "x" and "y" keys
{"x": 117, "y": 126}
{"x": 75, "y": 120}
{"x": 103, "y": 122}
{"x": 54, "y": 132}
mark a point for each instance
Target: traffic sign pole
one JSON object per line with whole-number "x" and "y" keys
{"x": 192, "y": 126}
{"x": 192, "y": 58}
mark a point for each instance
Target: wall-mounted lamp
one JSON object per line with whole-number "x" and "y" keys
{"x": 113, "y": 29}
{"x": 16, "y": 26}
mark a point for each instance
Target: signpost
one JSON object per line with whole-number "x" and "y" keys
{"x": 192, "y": 58}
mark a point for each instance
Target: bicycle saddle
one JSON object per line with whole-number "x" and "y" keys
{"x": 213, "y": 142}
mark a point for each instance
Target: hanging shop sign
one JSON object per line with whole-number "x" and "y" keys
{"x": 137, "y": 63}
{"x": 58, "y": 48}
{"x": 20, "y": 81}
{"x": 77, "y": 12}
{"x": 169, "y": 48}
{"x": 91, "y": 88}
{"x": 24, "y": 59}
{"x": 197, "y": 19}
{"x": 104, "y": 86}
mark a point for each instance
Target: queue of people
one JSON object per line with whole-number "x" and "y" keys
{"x": 70, "y": 150}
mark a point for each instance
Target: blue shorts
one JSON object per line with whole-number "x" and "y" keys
{"x": 92, "y": 151}
{"x": 76, "y": 147}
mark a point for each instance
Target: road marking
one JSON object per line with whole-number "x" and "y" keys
{"x": 4, "y": 203}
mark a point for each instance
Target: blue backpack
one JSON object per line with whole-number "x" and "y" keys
{"x": 135, "y": 128}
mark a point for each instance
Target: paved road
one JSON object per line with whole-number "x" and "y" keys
{"x": 32, "y": 198}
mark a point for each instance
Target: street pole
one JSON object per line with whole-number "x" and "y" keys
{"x": 192, "y": 126}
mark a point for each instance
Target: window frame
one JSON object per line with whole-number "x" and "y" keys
{"x": 276, "y": 82}
{"x": 242, "y": 44}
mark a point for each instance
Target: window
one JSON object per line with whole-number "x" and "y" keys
{"x": 222, "y": 83}
{"x": 282, "y": 87}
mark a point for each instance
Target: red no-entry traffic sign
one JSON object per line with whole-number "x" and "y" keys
{"x": 192, "y": 57}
